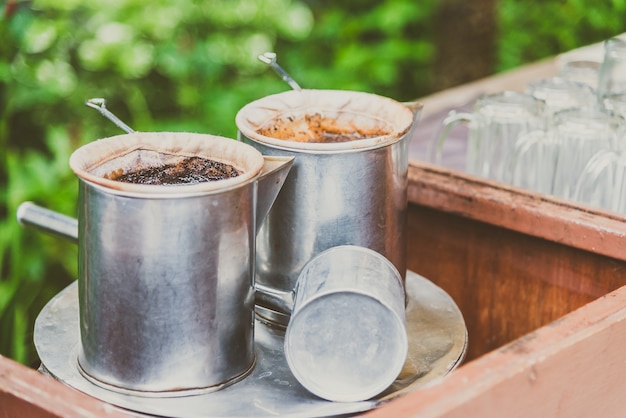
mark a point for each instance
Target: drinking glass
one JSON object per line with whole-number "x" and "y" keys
{"x": 581, "y": 71}
{"x": 612, "y": 74}
{"x": 580, "y": 134}
{"x": 616, "y": 103}
{"x": 558, "y": 93}
{"x": 603, "y": 181}
{"x": 495, "y": 123}
{"x": 535, "y": 159}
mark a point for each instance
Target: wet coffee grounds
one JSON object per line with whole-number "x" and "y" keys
{"x": 317, "y": 129}
{"x": 191, "y": 170}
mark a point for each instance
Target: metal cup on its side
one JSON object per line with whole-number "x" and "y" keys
{"x": 346, "y": 338}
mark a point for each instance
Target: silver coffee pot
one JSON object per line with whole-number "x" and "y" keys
{"x": 166, "y": 283}
{"x": 337, "y": 193}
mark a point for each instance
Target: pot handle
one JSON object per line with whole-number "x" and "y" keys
{"x": 48, "y": 221}
{"x": 274, "y": 299}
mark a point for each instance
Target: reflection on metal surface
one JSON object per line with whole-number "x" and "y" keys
{"x": 437, "y": 343}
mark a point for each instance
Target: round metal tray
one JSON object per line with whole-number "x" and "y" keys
{"x": 437, "y": 344}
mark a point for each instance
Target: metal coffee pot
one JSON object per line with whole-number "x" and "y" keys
{"x": 352, "y": 192}
{"x": 166, "y": 284}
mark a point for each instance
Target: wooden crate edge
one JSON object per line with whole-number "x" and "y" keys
{"x": 519, "y": 210}
{"x": 571, "y": 367}
{"x": 26, "y": 392}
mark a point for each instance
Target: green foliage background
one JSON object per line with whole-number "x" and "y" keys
{"x": 187, "y": 65}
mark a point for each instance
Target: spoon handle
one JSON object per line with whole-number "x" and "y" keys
{"x": 100, "y": 105}
{"x": 270, "y": 59}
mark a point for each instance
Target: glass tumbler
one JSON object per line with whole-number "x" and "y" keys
{"x": 495, "y": 123}
{"x": 603, "y": 181}
{"x": 581, "y": 133}
{"x": 616, "y": 103}
{"x": 581, "y": 71}
{"x": 535, "y": 160}
{"x": 558, "y": 93}
{"x": 612, "y": 74}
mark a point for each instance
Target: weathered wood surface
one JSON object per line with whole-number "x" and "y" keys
{"x": 574, "y": 367}
{"x": 512, "y": 260}
{"x": 530, "y": 274}
{"x": 24, "y": 392}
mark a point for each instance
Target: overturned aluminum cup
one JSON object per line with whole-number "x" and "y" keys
{"x": 346, "y": 339}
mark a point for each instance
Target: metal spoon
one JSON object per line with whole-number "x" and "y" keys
{"x": 270, "y": 59}
{"x": 100, "y": 105}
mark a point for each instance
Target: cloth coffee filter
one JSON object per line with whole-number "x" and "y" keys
{"x": 141, "y": 150}
{"x": 348, "y": 110}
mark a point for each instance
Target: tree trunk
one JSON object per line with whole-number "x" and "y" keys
{"x": 465, "y": 42}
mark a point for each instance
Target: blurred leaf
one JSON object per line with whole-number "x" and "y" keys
{"x": 39, "y": 37}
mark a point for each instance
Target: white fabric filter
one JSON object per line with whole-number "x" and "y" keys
{"x": 347, "y": 109}
{"x": 129, "y": 152}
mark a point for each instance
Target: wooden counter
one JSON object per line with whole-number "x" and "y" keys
{"x": 540, "y": 284}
